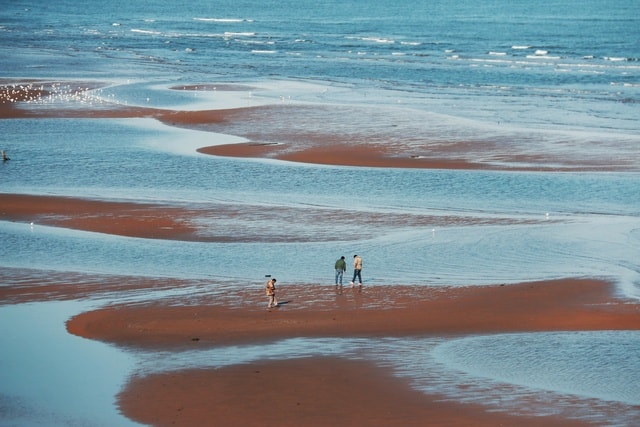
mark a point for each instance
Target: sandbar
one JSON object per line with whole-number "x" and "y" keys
{"x": 321, "y": 391}
{"x": 24, "y": 99}
{"x": 218, "y": 222}
{"x": 312, "y": 392}
{"x": 315, "y": 391}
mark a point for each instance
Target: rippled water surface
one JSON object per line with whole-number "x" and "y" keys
{"x": 601, "y": 365}
{"x": 437, "y": 226}
{"x": 552, "y": 80}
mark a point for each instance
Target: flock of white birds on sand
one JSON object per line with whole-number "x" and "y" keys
{"x": 54, "y": 93}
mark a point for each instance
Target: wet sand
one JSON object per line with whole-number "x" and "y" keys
{"x": 124, "y": 219}
{"x": 30, "y": 99}
{"x": 341, "y": 155}
{"x": 393, "y": 310}
{"x": 214, "y": 222}
{"x": 324, "y": 391}
{"x": 313, "y": 391}
{"x": 302, "y": 392}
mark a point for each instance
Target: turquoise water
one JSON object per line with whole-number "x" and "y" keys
{"x": 599, "y": 365}
{"x": 49, "y": 377}
{"x": 413, "y": 226}
{"x": 554, "y": 63}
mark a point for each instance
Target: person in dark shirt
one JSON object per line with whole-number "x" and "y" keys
{"x": 341, "y": 267}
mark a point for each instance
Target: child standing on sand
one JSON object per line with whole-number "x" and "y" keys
{"x": 270, "y": 290}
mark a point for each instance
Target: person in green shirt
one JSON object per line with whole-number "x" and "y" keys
{"x": 341, "y": 267}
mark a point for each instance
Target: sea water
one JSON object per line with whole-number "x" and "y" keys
{"x": 558, "y": 77}
{"x": 481, "y": 227}
{"x": 49, "y": 377}
{"x": 510, "y": 58}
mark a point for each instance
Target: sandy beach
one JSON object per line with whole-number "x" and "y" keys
{"x": 315, "y": 391}
{"x": 394, "y": 310}
{"x": 312, "y": 391}
{"x": 161, "y": 161}
{"x": 321, "y": 391}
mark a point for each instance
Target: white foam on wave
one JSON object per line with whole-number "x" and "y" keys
{"x": 258, "y": 42}
{"x": 615, "y": 58}
{"x": 536, "y": 56}
{"x": 153, "y": 33}
{"x": 381, "y": 40}
{"x": 239, "y": 34}
{"x": 222, "y": 20}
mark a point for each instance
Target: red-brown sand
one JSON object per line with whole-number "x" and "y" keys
{"x": 330, "y": 391}
{"x": 21, "y": 100}
{"x": 394, "y": 310}
{"x": 340, "y": 155}
{"x": 216, "y": 222}
{"x": 125, "y": 219}
{"x": 313, "y": 391}
{"x": 302, "y": 392}
{"x": 28, "y": 286}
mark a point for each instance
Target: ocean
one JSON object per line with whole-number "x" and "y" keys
{"x": 513, "y": 82}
